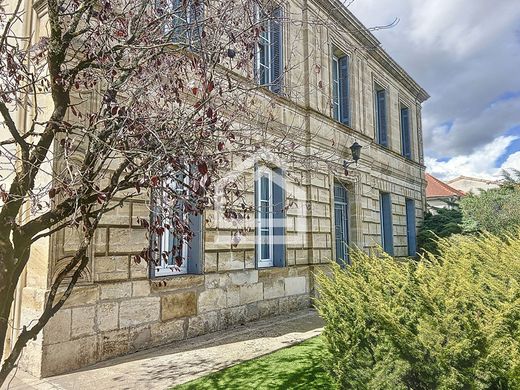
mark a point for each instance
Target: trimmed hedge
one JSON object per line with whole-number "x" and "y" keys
{"x": 445, "y": 322}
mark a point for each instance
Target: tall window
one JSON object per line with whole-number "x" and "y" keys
{"x": 341, "y": 219}
{"x": 406, "y": 140}
{"x": 270, "y": 218}
{"x": 381, "y": 119}
{"x": 411, "y": 231}
{"x": 387, "y": 236}
{"x": 187, "y": 19}
{"x": 176, "y": 255}
{"x": 269, "y": 51}
{"x": 340, "y": 88}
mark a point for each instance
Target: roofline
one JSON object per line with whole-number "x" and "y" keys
{"x": 446, "y": 186}
{"x": 366, "y": 37}
{"x": 474, "y": 178}
{"x": 442, "y": 197}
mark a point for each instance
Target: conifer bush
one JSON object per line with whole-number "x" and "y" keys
{"x": 450, "y": 321}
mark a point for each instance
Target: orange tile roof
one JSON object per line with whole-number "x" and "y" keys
{"x": 436, "y": 188}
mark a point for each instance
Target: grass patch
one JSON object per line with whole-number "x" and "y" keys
{"x": 297, "y": 367}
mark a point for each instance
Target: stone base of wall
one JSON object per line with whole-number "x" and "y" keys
{"x": 106, "y": 320}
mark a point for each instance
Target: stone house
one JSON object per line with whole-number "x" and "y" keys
{"x": 120, "y": 306}
{"x": 474, "y": 185}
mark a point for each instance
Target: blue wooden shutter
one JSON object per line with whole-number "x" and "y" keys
{"x": 341, "y": 223}
{"x": 195, "y": 245}
{"x": 411, "y": 231}
{"x": 344, "y": 90}
{"x": 381, "y": 117}
{"x": 405, "y": 132}
{"x": 386, "y": 223}
{"x": 276, "y": 50}
{"x": 278, "y": 218}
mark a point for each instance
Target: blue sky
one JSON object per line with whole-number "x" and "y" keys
{"x": 466, "y": 54}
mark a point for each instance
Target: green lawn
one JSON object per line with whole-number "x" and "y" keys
{"x": 297, "y": 367}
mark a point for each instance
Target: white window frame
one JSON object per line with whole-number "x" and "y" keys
{"x": 265, "y": 42}
{"x": 164, "y": 268}
{"x": 187, "y": 22}
{"x": 336, "y": 107}
{"x": 380, "y": 88}
{"x": 267, "y": 262}
{"x": 403, "y": 106}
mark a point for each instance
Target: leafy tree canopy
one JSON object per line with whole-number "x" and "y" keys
{"x": 495, "y": 210}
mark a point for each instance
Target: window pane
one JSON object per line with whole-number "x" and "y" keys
{"x": 343, "y": 89}
{"x": 405, "y": 132}
{"x": 263, "y": 68}
{"x": 335, "y": 89}
{"x": 265, "y": 252}
{"x": 381, "y": 117}
{"x": 386, "y": 223}
{"x": 264, "y": 214}
{"x": 264, "y": 188}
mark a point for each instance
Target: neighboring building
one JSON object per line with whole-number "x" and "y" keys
{"x": 119, "y": 306}
{"x": 440, "y": 195}
{"x": 472, "y": 184}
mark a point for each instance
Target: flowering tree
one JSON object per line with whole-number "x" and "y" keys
{"x": 122, "y": 98}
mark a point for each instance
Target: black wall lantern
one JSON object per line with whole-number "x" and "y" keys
{"x": 356, "y": 155}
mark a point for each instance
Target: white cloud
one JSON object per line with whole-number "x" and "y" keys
{"x": 495, "y": 119}
{"x": 480, "y": 163}
{"x": 461, "y": 27}
{"x": 513, "y": 161}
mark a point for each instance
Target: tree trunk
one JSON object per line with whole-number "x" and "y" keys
{"x": 6, "y": 291}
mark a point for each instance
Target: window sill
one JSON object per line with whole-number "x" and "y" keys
{"x": 176, "y": 282}
{"x": 273, "y": 271}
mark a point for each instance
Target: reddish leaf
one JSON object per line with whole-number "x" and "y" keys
{"x": 210, "y": 86}
{"x": 101, "y": 198}
{"x": 203, "y": 168}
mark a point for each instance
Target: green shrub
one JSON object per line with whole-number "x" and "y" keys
{"x": 443, "y": 224}
{"x": 446, "y": 322}
{"x": 496, "y": 210}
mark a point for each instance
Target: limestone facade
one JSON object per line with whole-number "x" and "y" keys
{"x": 118, "y": 308}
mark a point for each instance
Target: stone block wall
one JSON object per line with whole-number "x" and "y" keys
{"x": 117, "y": 309}
{"x": 109, "y": 319}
